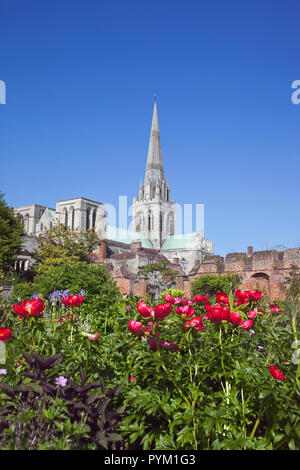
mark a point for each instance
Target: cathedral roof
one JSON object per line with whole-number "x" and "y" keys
{"x": 126, "y": 236}
{"x": 187, "y": 240}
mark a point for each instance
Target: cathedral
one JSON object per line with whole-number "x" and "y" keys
{"x": 153, "y": 223}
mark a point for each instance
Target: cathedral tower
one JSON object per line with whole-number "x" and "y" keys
{"x": 153, "y": 211}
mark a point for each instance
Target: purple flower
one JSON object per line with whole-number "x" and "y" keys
{"x": 82, "y": 292}
{"x": 61, "y": 381}
{"x": 3, "y": 371}
{"x": 260, "y": 348}
{"x": 47, "y": 315}
{"x": 128, "y": 307}
{"x": 35, "y": 296}
{"x": 252, "y": 332}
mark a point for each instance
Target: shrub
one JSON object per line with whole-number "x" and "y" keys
{"x": 94, "y": 279}
{"x": 211, "y": 284}
{"x": 22, "y": 291}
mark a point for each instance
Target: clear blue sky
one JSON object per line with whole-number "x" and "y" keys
{"x": 80, "y": 77}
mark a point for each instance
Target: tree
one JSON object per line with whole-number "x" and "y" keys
{"x": 61, "y": 245}
{"x": 11, "y": 233}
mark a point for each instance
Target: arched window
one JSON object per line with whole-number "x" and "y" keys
{"x": 149, "y": 221}
{"x": 65, "y": 216}
{"x": 94, "y": 218}
{"x": 42, "y": 227}
{"x": 260, "y": 276}
{"x": 88, "y": 214}
{"x": 160, "y": 222}
{"x": 72, "y": 214}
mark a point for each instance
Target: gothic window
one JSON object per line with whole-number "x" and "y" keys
{"x": 149, "y": 221}
{"x": 51, "y": 224}
{"x": 42, "y": 227}
{"x": 88, "y": 214}
{"x": 72, "y": 212}
{"x": 21, "y": 218}
{"x": 94, "y": 218}
{"x": 65, "y": 216}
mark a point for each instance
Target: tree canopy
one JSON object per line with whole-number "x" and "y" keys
{"x": 10, "y": 236}
{"x": 60, "y": 245}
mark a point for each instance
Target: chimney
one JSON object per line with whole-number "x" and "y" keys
{"x": 102, "y": 251}
{"x": 175, "y": 260}
{"x": 136, "y": 246}
{"x": 249, "y": 251}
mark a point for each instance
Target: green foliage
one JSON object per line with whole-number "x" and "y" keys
{"x": 211, "y": 284}
{"x": 10, "y": 236}
{"x": 39, "y": 414}
{"x": 214, "y": 392}
{"x": 23, "y": 291}
{"x": 61, "y": 245}
{"x": 175, "y": 293}
{"x": 94, "y": 279}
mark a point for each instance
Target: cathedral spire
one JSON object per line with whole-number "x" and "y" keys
{"x": 154, "y": 169}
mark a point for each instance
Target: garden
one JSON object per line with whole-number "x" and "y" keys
{"x": 83, "y": 367}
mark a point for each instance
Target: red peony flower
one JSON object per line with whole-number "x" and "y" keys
{"x": 144, "y": 309}
{"x": 274, "y": 308}
{"x": 207, "y": 307}
{"x": 246, "y": 325}
{"x": 28, "y": 308}
{"x": 178, "y": 301}
{"x": 168, "y": 298}
{"x": 252, "y": 314}
{"x": 135, "y": 327}
{"x": 201, "y": 298}
{"x": 235, "y": 318}
{"x": 219, "y": 313}
{"x": 255, "y": 294}
{"x": 5, "y": 334}
{"x": 222, "y": 297}
{"x": 185, "y": 311}
{"x": 195, "y": 323}
{"x": 162, "y": 311}
{"x": 73, "y": 300}
{"x": 243, "y": 297}
{"x": 277, "y": 374}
